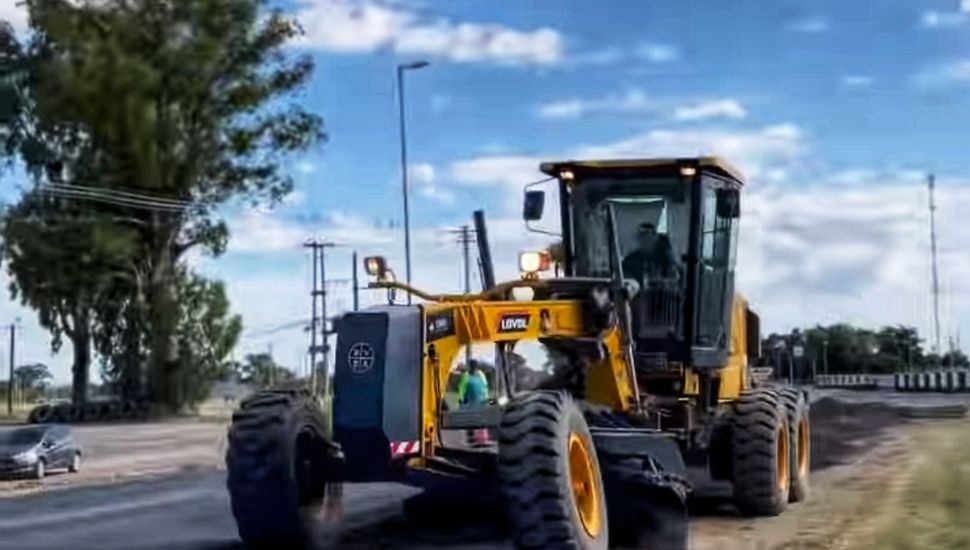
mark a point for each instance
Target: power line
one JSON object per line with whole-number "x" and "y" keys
{"x": 120, "y": 193}
{"x": 120, "y": 198}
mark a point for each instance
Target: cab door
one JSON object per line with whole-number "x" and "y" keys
{"x": 717, "y": 245}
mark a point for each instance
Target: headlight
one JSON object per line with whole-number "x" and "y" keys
{"x": 27, "y": 457}
{"x": 533, "y": 262}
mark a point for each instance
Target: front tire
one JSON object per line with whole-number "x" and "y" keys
{"x": 40, "y": 469}
{"x": 75, "y": 465}
{"x": 549, "y": 475}
{"x": 276, "y": 465}
{"x": 761, "y": 453}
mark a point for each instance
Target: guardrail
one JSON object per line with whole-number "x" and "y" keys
{"x": 848, "y": 381}
{"x": 943, "y": 381}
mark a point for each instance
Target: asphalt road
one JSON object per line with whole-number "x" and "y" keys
{"x": 186, "y": 512}
{"x": 190, "y": 511}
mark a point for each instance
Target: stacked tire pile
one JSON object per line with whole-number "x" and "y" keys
{"x": 846, "y": 381}
{"x": 95, "y": 411}
{"x": 943, "y": 381}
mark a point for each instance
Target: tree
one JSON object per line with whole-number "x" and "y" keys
{"x": 32, "y": 377}
{"x": 184, "y": 102}
{"x": 955, "y": 358}
{"x": 260, "y": 369}
{"x": 207, "y": 334}
{"x": 64, "y": 265}
{"x": 901, "y": 341}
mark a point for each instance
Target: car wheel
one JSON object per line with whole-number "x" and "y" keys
{"x": 40, "y": 470}
{"x": 75, "y": 465}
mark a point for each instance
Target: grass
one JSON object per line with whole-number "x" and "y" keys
{"x": 935, "y": 510}
{"x": 19, "y": 414}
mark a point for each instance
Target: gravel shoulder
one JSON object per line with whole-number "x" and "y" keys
{"x": 124, "y": 451}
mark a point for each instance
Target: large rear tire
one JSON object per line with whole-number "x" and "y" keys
{"x": 761, "y": 453}
{"x": 276, "y": 463}
{"x": 549, "y": 475}
{"x": 799, "y": 431}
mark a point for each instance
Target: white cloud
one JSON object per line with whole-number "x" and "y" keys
{"x": 423, "y": 177}
{"x": 369, "y": 25}
{"x": 421, "y": 173}
{"x": 633, "y": 101}
{"x": 657, "y": 53}
{"x": 811, "y": 25}
{"x": 295, "y": 198}
{"x": 944, "y": 19}
{"x": 759, "y": 152}
{"x": 721, "y": 108}
{"x": 857, "y": 81}
{"x": 261, "y": 231}
{"x": 950, "y": 73}
{"x": 14, "y": 13}
{"x": 306, "y": 167}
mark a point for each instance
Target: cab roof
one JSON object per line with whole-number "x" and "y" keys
{"x": 716, "y": 165}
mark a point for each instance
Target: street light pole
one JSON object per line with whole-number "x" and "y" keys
{"x": 404, "y": 165}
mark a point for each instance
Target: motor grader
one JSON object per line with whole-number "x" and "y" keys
{"x": 651, "y": 383}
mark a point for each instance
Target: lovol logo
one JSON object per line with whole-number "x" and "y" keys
{"x": 514, "y": 322}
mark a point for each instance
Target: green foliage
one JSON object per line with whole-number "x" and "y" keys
{"x": 261, "y": 370}
{"x": 185, "y": 101}
{"x": 843, "y": 348}
{"x": 32, "y": 377}
{"x": 207, "y": 334}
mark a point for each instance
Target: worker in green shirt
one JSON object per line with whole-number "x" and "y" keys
{"x": 473, "y": 394}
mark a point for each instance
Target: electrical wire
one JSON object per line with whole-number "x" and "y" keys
{"x": 108, "y": 198}
{"x": 120, "y": 193}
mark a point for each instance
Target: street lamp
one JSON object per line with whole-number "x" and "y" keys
{"x": 404, "y": 164}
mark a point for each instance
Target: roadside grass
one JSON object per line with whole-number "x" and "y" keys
{"x": 935, "y": 511}
{"x": 19, "y": 415}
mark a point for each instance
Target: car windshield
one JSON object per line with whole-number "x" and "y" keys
{"x": 21, "y": 436}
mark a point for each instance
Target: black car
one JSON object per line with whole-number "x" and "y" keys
{"x": 35, "y": 450}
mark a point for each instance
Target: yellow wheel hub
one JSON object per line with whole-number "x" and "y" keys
{"x": 585, "y": 482}
{"x": 783, "y": 458}
{"x": 804, "y": 446}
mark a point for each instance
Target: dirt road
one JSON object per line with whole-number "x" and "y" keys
{"x": 866, "y": 454}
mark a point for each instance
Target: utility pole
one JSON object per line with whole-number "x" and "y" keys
{"x": 10, "y": 383}
{"x": 356, "y": 283}
{"x": 314, "y": 247}
{"x": 465, "y": 239}
{"x": 325, "y": 385}
{"x": 931, "y": 182}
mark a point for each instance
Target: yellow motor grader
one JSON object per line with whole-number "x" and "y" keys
{"x": 651, "y": 378}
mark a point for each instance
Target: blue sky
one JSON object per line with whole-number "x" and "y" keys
{"x": 834, "y": 109}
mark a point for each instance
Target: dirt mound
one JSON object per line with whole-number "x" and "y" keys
{"x": 841, "y": 431}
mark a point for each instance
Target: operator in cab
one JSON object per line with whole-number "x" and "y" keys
{"x": 653, "y": 259}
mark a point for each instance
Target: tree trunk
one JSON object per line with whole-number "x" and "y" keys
{"x": 81, "y": 370}
{"x": 163, "y": 319}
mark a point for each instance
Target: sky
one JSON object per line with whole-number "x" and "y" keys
{"x": 834, "y": 110}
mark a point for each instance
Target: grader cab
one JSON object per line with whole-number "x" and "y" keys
{"x": 651, "y": 380}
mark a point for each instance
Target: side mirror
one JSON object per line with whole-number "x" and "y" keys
{"x": 533, "y": 205}
{"x": 728, "y": 203}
